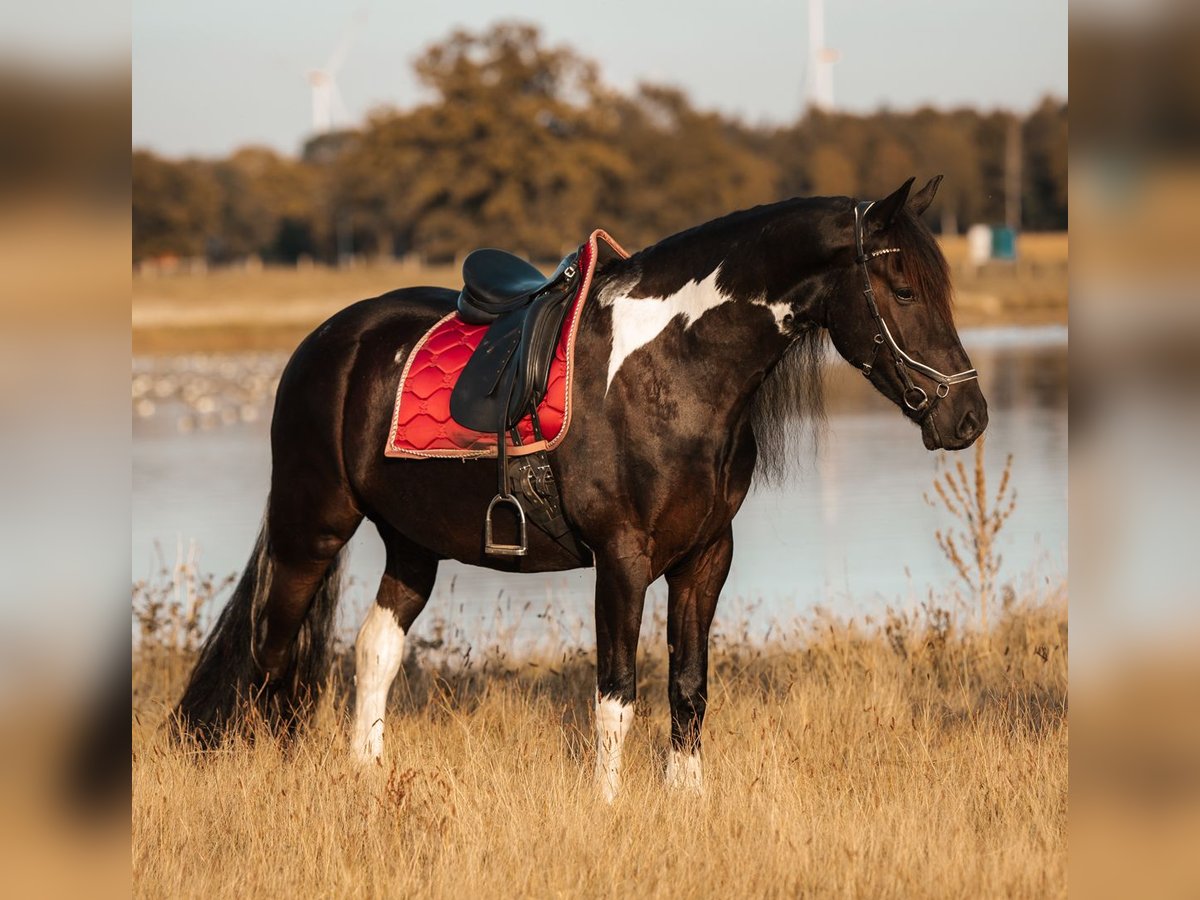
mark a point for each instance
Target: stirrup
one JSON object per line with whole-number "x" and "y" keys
{"x": 493, "y": 549}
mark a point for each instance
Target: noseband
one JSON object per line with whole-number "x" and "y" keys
{"x": 915, "y": 398}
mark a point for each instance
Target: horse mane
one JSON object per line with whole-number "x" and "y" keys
{"x": 792, "y": 395}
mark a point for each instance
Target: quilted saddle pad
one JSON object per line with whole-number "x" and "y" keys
{"x": 422, "y": 427}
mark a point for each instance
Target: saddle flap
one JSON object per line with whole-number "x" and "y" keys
{"x": 539, "y": 339}
{"x": 485, "y": 388}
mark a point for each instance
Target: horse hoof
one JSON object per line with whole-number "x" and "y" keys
{"x": 684, "y": 773}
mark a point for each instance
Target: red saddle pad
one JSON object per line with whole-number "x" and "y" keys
{"x": 422, "y": 427}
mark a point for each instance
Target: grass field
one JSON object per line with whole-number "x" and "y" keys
{"x": 273, "y": 308}
{"x": 910, "y": 756}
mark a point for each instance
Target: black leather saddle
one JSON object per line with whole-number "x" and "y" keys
{"x": 524, "y": 309}
{"x": 496, "y": 282}
{"x": 505, "y": 380}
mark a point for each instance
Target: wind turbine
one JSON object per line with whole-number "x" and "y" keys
{"x": 819, "y": 87}
{"x": 327, "y": 104}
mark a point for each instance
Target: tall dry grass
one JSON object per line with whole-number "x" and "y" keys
{"x": 912, "y": 758}
{"x": 914, "y": 754}
{"x": 970, "y": 544}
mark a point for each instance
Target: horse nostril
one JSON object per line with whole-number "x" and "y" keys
{"x": 968, "y": 426}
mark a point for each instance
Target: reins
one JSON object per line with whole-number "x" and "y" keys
{"x": 903, "y": 361}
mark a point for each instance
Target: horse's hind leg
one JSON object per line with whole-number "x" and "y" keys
{"x": 693, "y": 589}
{"x": 306, "y": 535}
{"x": 379, "y": 650}
{"x": 271, "y": 646}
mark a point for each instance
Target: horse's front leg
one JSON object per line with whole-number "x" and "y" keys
{"x": 693, "y": 589}
{"x": 622, "y": 576}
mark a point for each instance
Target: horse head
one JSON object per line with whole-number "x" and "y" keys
{"x": 890, "y": 315}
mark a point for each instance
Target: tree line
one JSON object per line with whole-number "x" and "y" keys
{"x": 523, "y": 146}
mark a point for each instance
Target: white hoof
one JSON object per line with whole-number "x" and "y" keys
{"x": 368, "y": 746}
{"x": 684, "y": 773}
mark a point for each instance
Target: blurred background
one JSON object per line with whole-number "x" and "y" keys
{"x": 1135, "y": 369}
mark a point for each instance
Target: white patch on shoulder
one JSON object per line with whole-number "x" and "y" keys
{"x": 378, "y": 652}
{"x": 684, "y": 772}
{"x": 636, "y": 321}
{"x": 780, "y": 311}
{"x": 613, "y": 719}
{"x": 401, "y": 354}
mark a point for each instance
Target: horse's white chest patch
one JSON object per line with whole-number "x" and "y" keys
{"x": 636, "y": 321}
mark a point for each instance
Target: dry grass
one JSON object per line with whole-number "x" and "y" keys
{"x": 1031, "y": 291}
{"x": 273, "y": 308}
{"x": 909, "y": 757}
{"x": 270, "y": 308}
{"x": 971, "y": 547}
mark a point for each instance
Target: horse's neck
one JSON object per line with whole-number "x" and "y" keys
{"x": 728, "y": 343}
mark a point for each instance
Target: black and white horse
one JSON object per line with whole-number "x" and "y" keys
{"x": 691, "y": 357}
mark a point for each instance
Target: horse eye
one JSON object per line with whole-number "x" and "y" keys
{"x": 904, "y": 295}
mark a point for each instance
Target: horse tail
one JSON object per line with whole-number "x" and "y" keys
{"x": 227, "y": 688}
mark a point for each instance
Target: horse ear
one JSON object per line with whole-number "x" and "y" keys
{"x": 921, "y": 200}
{"x": 881, "y": 215}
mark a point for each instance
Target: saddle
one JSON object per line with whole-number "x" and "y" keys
{"x": 505, "y": 380}
{"x": 524, "y": 311}
{"x": 496, "y": 282}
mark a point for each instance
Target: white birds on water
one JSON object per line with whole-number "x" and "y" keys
{"x": 202, "y": 392}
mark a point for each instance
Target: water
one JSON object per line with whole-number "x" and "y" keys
{"x": 851, "y": 532}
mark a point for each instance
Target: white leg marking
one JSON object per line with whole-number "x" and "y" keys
{"x": 613, "y": 719}
{"x": 684, "y": 772}
{"x": 636, "y": 321}
{"x": 378, "y": 652}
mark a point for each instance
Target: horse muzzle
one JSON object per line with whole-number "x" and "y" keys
{"x": 948, "y": 428}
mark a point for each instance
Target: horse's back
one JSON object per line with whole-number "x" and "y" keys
{"x": 400, "y": 315}
{"x": 396, "y": 319}
{"x": 365, "y": 340}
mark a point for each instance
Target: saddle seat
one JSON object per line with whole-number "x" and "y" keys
{"x": 496, "y": 282}
{"x": 524, "y": 311}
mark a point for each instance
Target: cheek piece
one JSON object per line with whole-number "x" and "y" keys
{"x": 915, "y": 397}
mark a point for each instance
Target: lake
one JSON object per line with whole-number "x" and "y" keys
{"x": 850, "y": 531}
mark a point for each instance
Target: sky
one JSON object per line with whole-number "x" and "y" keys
{"x": 210, "y": 77}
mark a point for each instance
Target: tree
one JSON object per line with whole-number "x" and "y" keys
{"x": 176, "y": 207}
{"x": 686, "y": 167}
{"x": 1044, "y": 137}
{"x": 943, "y": 146}
{"x": 522, "y": 146}
{"x": 514, "y": 151}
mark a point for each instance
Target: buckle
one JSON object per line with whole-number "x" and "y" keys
{"x": 490, "y": 547}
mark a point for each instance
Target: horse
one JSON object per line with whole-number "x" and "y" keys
{"x": 693, "y": 356}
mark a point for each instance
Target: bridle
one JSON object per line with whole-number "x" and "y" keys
{"x": 915, "y": 398}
